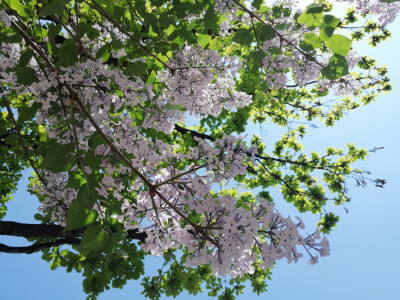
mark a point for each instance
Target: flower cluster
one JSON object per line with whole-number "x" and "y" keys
{"x": 56, "y": 198}
{"x": 201, "y": 82}
{"x": 385, "y": 12}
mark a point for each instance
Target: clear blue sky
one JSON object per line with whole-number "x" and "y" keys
{"x": 364, "y": 261}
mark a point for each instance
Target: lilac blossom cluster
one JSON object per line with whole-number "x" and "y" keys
{"x": 201, "y": 82}
{"x": 278, "y": 62}
{"x": 56, "y": 198}
{"x": 246, "y": 237}
{"x": 238, "y": 237}
{"x": 386, "y": 13}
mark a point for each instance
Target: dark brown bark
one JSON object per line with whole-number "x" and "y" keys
{"x": 37, "y": 247}
{"x": 47, "y": 231}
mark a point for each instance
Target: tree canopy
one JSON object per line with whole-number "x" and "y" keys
{"x": 97, "y": 97}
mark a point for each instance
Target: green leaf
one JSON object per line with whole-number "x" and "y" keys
{"x": 339, "y": 44}
{"x": 311, "y": 42}
{"x": 389, "y": 1}
{"x": 170, "y": 29}
{"x": 313, "y": 16}
{"x": 53, "y": 7}
{"x": 55, "y": 263}
{"x": 78, "y": 216}
{"x": 92, "y": 33}
{"x": 170, "y": 107}
{"x": 336, "y": 68}
{"x": 243, "y": 36}
{"x": 26, "y": 75}
{"x": 11, "y": 139}
{"x": 152, "y": 78}
{"x": 257, "y": 3}
{"x": 104, "y": 52}
{"x": 215, "y": 44}
{"x": 94, "y": 237}
{"x": 42, "y": 133}
{"x": 116, "y": 237}
{"x": 328, "y": 26}
{"x": 264, "y": 33}
{"x": 68, "y": 53}
{"x": 59, "y": 158}
{"x": 96, "y": 140}
{"x": 152, "y": 33}
{"x": 282, "y": 26}
{"x": 210, "y": 18}
{"x": 87, "y": 195}
{"x": 26, "y": 113}
{"x": 22, "y": 10}
{"x": 26, "y": 56}
{"x": 204, "y": 40}
{"x": 255, "y": 60}
{"x": 75, "y": 180}
{"x": 150, "y": 20}
{"x": 92, "y": 160}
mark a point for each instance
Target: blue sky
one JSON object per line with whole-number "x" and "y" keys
{"x": 364, "y": 261}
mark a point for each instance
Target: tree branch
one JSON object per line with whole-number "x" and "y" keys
{"x": 47, "y": 231}
{"x": 35, "y": 248}
{"x": 193, "y": 133}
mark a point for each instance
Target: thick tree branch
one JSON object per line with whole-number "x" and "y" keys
{"x": 35, "y": 248}
{"x": 42, "y": 230}
{"x": 47, "y": 231}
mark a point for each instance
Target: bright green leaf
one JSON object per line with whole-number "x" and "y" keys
{"x": 328, "y": 26}
{"x": 204, "y": 40}
{"x": 312, "y": 16}
{"x": 152, "y": 33}
{"x": 339, "y": 44}
{"x": 42, "y": 133}
{"x": 311, "y": 42}
{"x": 152, "y": 78}
{"x": 336, "y": 68}
{"x": 22, "y": 10}
{"x": 170, "y": 29}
